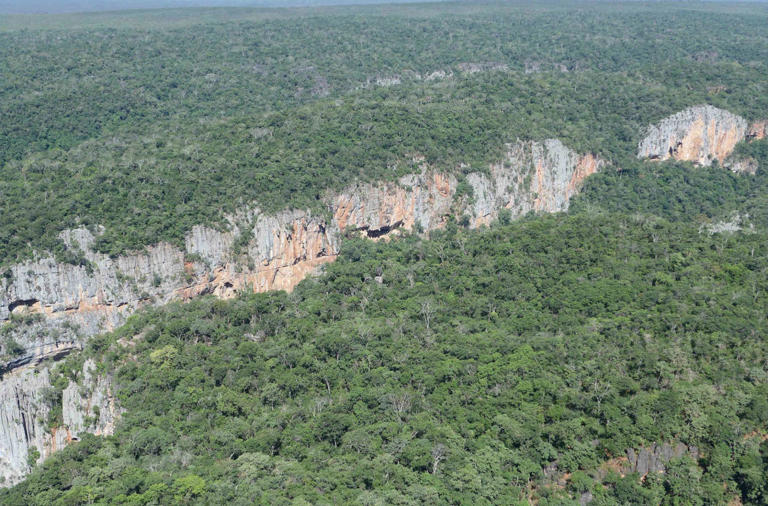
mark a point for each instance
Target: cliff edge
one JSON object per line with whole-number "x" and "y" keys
{"x": 701, "y": 134}
{"x": 255, "y": 252}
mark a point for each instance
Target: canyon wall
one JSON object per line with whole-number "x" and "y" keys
{"x": 701, "y": 134}
{"x": 50, "y": 308}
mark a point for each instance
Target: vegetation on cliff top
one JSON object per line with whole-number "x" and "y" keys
{"x": 149, "y": 131}
{"x": 503, "y": 365}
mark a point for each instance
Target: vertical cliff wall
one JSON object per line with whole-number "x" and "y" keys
{"x": 701, "y": 134}
{"x": 27, "y": 399}
{"x": 45, "y": 303}
{"x": 698, "y": 134}
{"x": 532, "y": 176}
{"x": 259, "y": 252}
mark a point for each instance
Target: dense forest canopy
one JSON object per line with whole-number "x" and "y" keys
{"x": 510, "y": 364}
{"x": 181, "y": 124}
{"x": 480, "y": 367}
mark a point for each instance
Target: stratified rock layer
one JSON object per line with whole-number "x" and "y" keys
{"x": 255, "y": 252}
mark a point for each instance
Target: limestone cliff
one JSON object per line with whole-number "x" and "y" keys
{"x": 254, "y": 252}
{"x": 698, "y": 134}
{"x": 532, "y": 177}
{"x": 259, "y": 252}
{"x": 702, "y": 134}
{"x": 27, "y": 398}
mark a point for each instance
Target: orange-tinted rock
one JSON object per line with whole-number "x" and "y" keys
{"x": 533, "y": 176}
{"x": 285, "y": 247}
{"x": 700, "y": 134}
{"x": 587, "y": 165}
{"x": 757, "y": 130}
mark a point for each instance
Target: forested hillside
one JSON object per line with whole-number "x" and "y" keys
{"x": 495, "y": 366}
{"x": 611, "y": 354}
{"x": 184, "y": 124}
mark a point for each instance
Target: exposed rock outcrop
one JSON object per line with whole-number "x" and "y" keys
{"x": 757, "y": 130}
{"x": 259, "y": 252}
{"x": 699, "y": 134}
{"x": 532, "y": 177}
{"x": 40, "y": 352}
{"x": 654, "y": 458}
{"x": 746, "y": 165}
{"x": 702, "y": 134}
{"x": 424, "y": 199}
{"x": 255, "y": 252}
{"x": 26, "y": 397}
{"x": 90, "y": 406}
{"x": 735, "y": 223}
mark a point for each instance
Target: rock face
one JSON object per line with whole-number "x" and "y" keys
{"x": 653, "y": 459}
{"x": 758, "y": 130}
{"x": 262, "y": 252}
{"x": 746, "y": 165}
{"x": 255, "y": 252}
{"x": 702, "y": 134}
{"x": 698, "y": 134}
{"x": 26, "y": 397}
{"x": 91, "y": 407}
{"x": 532, "y": 177}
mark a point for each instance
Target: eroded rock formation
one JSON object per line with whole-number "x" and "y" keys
{"x": 702, "y": 134}
{"x": 27, "y": 398}
{"x": 255, "y": 252}
{"x": 699, "y": 134}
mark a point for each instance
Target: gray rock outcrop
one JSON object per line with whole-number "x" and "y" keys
{"x": 654, "y": 458}
{"x": 27, "y": 398}
{"x": 532, "y": 177}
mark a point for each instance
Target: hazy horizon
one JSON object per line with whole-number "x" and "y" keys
{"x": 74, "y": 6}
